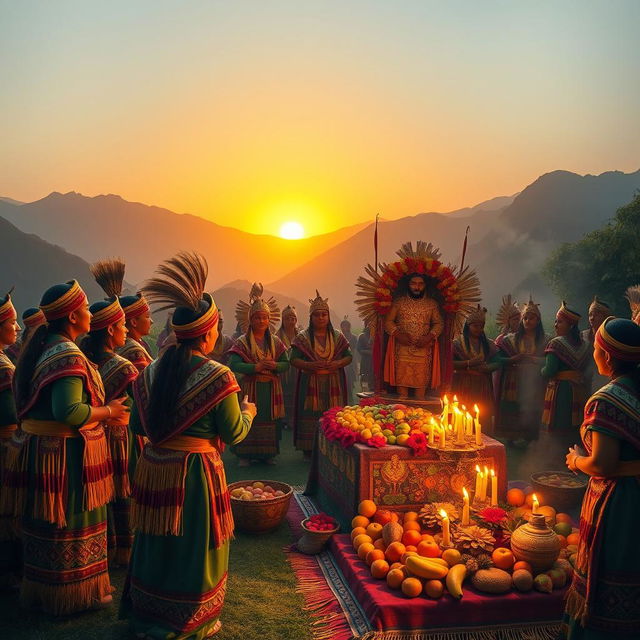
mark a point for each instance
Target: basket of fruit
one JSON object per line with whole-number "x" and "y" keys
{"x": 562, "y": 489}
{"x": 259, "y": 506}
{"x": 317, "y": 528}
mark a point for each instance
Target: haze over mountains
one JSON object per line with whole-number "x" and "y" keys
{"x": 510, "y": 238}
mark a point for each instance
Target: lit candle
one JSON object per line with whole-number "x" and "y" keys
{"x": 485, "y": 481}
{"x": 459, "y": 426}
{"x": 535, "y": 504}
{"x": 494, "y": 488}
{"x": 432, "y": 432}
{"x": 469, "y": 428}
{"x": 465, "y": 507}
{"x": 476, "y": 495}
{"x": 478, "y": 426}
{"x": 445, "y": 408}
{"x": 442, "y": 438}
{"x": 446, "y": 535}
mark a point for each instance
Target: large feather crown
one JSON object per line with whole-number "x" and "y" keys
{"x": 109, "y": 274}
{"x": 244, "y": 310}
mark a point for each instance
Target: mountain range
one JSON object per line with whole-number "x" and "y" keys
{"x": 510, "y": 238}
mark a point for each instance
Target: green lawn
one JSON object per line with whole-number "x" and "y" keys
{"x": 261, "y": 599}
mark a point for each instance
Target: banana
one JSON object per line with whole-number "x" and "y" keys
{"x": 439, "y": 561}
{"x": 455, "y": 578}
{"x": 423, "y": 568}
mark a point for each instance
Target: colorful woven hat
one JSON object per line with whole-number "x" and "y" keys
{"x": 600, "y": 306}
{"x": 620, "y": 338}
{"x": 33, "y": 318}
{"x": 109, "y": 274}
{"x": 572, "y": 317}
{"x": 179, "y": 283}
{"x": 633, "y": 296}
{"x": 63, "y": 299}
{"x": 508, "y": 309}
{"x": 318, "y": 304}
{"x": 477, "y": 315}
{"x": 245, "y": 311}
{"x": 7, "y": 310}
{"x": 531, "y": 307}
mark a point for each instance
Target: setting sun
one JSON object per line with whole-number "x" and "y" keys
{"x": 291, "y": 231}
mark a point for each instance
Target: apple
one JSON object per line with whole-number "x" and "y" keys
{"x": 503, "y": 558}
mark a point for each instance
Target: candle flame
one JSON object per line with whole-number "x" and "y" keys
{"x": 478, "y": 469}
{"x": 468, "y": 415}
{"x": 457, "y": 410}
{"x": 493, "y": 473}
{"x": 432, "y": 421}
{"x": 535, "y": 498}
{"x": 475, "y": 408}
{"x": 455, "y": 398}
{"x": 486, "y": 471}
{"x": 464, "y": 408}
{"x": 445, "y": 399}
{"x": 464, "y": 492}
{"x": 443, "y": 513}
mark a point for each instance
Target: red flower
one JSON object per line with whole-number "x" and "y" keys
{"x": 492, "y": 515}
{"x": 377, "y": 441}
{"x": 348, "y": 438}
{"x": 418, "y": 442}
{"x": 367, "y": 402}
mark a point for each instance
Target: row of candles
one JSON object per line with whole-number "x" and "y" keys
{"x": 456, "y": 419}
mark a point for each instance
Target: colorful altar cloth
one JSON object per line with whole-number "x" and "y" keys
{"x": 530, "y": 616}
{"x": 393, "y": 477}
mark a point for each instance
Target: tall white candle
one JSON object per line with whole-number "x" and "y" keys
{"x": 465, "y": 507}
{"x": 446, "y": 534}
{"x": 494, "y": 488}
{"x": 443, "y": 438}
{"x": 469, "y": 426}
{"x": 476, "y": 495}
{"x": 459, "y": 426}
{"x": 485, "y": 481}
{"x": 432, "y": 431}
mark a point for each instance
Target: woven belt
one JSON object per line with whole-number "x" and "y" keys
{"x": 189, "y": 443}
{"x": 53, "y": 428}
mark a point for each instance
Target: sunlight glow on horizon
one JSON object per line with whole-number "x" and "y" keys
{"x": 291, "y": 230}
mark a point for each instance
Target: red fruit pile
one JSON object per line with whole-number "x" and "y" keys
{"x": 320, "y": 522}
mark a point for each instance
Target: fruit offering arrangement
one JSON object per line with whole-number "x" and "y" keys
{"x": 256, "y": 491}
{"x": 378, "y": 425}
{"x": 320, "y": 522}
{"x": 407, "y": 551}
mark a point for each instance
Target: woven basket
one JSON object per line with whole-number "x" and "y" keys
{"x": 260, "y": 516}
{"x": 313, "y": 542}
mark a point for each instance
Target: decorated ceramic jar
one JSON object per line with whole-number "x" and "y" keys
{"x": 536, "y": 544}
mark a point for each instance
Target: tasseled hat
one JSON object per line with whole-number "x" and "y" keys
{"x": 33, "y": 318}
{"x": 7, "y": 310}
{"x": 620, "y": 338}
{"x": 245, "y": 311}
{"x": 531, "y": 307}
{"x": 289, "y": 311}
{"x": 477, "y": 315}
{"x": 600, "y": 305}
{"x": 318, "y": 304}
{"x": 62, "y": 299}
{"x": 180, "y": 283}
{"x": 572, "y": 317}
{"x": 109, "y": 274}
{"x": 633, "y": 296}
{"x": 508, "y": 309}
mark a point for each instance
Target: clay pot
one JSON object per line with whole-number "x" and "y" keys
{"x": 536, "y": 544}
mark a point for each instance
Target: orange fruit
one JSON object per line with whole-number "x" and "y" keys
{"x": 358, "y": 540}
{"x": 383, "y": 516}
{"x": 563, "y": 517}
{"x": 451, "y": 556}
{"x": 428, "y": 537}
{"x": 522, "y": 564}
{"x": 503, "y": 558}
{"x": 360, "y": 521}
{"x": 410, "y": 515}
{"x": 396, "y": 565}
{"x": 395, "y": 578}
{"x": 411, "y": 537}
{"x": 367, "y": 508}
{"x": 364, "y": 549}
{"x": 379, "y": 569}
{"x": 373, "y": 555}
{"x": 411, "y": 547}
{"x": 379, "y": 544}
{"x": 412, "y": 525}
{"x": 357, "y": 531}
{"x": 374, "y": 530}
{"x": 394, "y": 551}
{"x": 434, "y": 588}
{"x": 573, "y": 538}
{"x": 515, "y": 497}
{"x": 411, "y": 587}
{"x": 429, "y": 549}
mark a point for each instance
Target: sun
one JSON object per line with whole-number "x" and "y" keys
{"x": 291, "y": 230}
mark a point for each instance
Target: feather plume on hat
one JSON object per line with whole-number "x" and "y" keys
{"x": 318, "y": 304}
{"x": 633, "y": 297}
{"x": 531, "y": 307}
{"x": 180, "y": 282}
{"x": 508, "y": 309}
{"x": 477, "y": 315}
{"x": 256, "y": 303}
{"x": 109, "y": 274}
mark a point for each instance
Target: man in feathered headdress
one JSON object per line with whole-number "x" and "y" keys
{"x": 413, "y": 324}
{"x": 633, "y": 296}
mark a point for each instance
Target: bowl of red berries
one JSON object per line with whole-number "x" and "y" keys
{"x": 317, "y": 529}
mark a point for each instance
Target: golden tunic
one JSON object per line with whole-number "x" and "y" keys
{"x": 417, "y": 318}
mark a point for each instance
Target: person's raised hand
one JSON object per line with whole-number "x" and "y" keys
{"x": 248, "y": 407}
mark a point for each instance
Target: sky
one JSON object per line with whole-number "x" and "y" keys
{"x": 255, "y": 113}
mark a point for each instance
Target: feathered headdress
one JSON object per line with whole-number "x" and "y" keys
{"x": 633, "y": 296}
{"x": 477, "y": 315}
{"x": 318, "y": 304}
{"x": 508, "y": 309}
{"x": 289, "y": 311}
{"x": 180, "y": 283}
{"x": 600, "y": 305}
{"x": 244, "y": 310}
{"x": 109, "y": 274}
{"x": 531, "y": 307}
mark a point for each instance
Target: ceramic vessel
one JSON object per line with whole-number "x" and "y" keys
{"x": 535, "y": 543}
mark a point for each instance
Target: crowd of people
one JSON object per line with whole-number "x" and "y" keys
{"x": 111, "y": 457}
